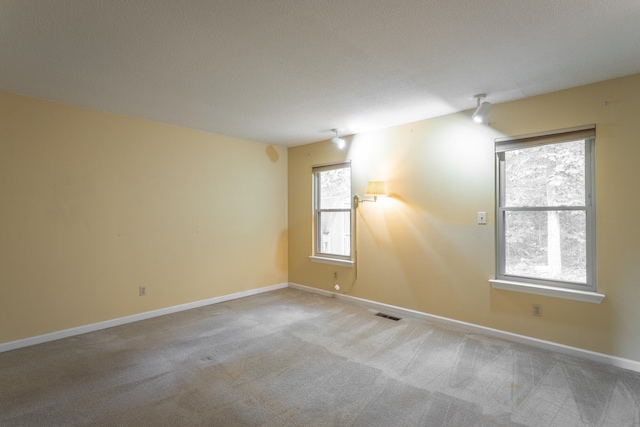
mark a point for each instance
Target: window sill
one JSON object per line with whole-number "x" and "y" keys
{"x": 571, "y": 294}
{"x": 334, "y": 261}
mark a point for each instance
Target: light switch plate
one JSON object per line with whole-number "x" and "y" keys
{"x": 482, "y": 218}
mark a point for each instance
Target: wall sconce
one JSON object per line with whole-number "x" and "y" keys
{"x": 482, "y": 109}
{"x": 375, "y": 189}
{"x": 338, "y": 142}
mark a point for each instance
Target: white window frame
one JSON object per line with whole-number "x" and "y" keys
{"x": 570, "y": 290}
{"x": 318, "y": 255}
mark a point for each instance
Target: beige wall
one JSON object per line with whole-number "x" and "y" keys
{"x": 421, "y": 248}
{"x": 93, "y": 205}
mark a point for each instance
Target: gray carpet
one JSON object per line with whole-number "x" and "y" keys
{"x": 290, "y": 358}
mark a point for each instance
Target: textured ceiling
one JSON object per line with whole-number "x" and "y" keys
{"x": 287, "y": 71}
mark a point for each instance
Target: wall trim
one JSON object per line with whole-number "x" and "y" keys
{"x": 593, "y": 356}
{"x": 334, "y": 261}
{"x": 550, "y": 291}
{"x": 39, "y": 339}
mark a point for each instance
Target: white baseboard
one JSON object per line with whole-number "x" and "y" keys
{"x": 618, "y": 362}
{"x": 12, "y": 345}
{"x": 606, "y": 359}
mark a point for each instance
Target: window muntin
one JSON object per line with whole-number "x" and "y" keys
{"x": 545, "y": 210}
{"x": 332, "y": 209}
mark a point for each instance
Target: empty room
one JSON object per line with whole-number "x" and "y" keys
{"x": 319, "y": 213}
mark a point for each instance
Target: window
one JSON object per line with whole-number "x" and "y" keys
{"x": 546, "y": 211}
{"x": 332, "y": 211}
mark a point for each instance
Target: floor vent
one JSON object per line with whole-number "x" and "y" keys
{"x": 387, "y": 316}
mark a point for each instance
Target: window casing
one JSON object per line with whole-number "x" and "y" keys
{"x": 332, "y": 206}
{"x": 546, "y": 209}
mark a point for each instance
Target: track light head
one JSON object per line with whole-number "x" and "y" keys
{"x": 482, "y": 109}
{"x": 338, "y": 142}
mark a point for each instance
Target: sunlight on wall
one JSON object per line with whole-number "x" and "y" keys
{"x": 431, "y": 170}
{"x": 421, "y": 247}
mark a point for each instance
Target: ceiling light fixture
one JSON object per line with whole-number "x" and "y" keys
{"x": 338, "y": 142}
{"x": 482, "y": 109}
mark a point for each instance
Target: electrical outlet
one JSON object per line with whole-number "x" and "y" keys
{"x": 537, "y": 310}
{"x": 142, "y": 291}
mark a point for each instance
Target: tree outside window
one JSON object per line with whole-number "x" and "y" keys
{"x": 545, "y": 211}
{"x": 333, "y": 210}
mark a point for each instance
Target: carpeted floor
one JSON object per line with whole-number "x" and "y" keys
{"x": 291, "y": 358}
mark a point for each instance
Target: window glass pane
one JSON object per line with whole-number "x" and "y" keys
{"x": 548, "y": 245}
{"x": 547, "y": 175}
{"x": 335, "y": 188}
{"x": 335, "y": 233}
